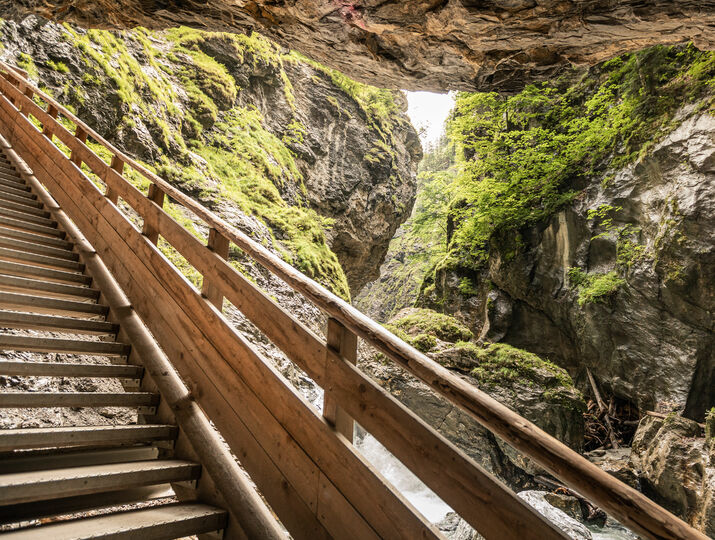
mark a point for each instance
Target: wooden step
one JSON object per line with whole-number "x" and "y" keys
{"x": 25, "y": 217}
{"x": 21, "y": 439}
{"x": 29, "y": 270}
{"x": 14, "y": 184}
{"x": 40, "y": 249}
{"x": 60, "y": 369}
{"x": 18, "y": 191}
{"x": 16, "y": 513}
{"x": 50, "y": 306}
{"x": 37, "y": 239}
{"x": 55, "y": 483}
{"x": 47, "y": 288}
{"x": 34, "y": 321}
{"x": 41, "y": 460}
{"x": 24, "y": 208}
{"x": 32, "y": 227}
{"x": 154, "y": 523}
{"x": 11, "y": 176}
{"x": 33, "y": 203}
{"x": 9, "y": 342}
{"x": 54, "y": 262}
{"x": 77, "y": 399}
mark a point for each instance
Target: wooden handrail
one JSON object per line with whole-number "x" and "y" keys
{"x": 626, "y": 504}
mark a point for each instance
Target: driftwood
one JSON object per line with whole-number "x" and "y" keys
{"x": 663, "y": 416}
{"x": 604, "y": 410}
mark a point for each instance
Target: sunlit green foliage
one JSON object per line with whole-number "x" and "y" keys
{"x": 517, "y": 152}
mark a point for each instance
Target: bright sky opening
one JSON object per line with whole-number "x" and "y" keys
{"x": 428, "y": 112}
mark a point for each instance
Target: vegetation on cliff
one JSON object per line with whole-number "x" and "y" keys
{"x": 174, "y": 100}
{"x": 520, "y": 156}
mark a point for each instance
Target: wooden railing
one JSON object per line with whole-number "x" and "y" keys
{"x": 313, "y": 478}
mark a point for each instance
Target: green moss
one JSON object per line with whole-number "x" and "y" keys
{"x": 503, "y": 365}
{"x": 439, "y": 325}
{"x": 25, "y": 61}
{"x": 518, "y": 154}
{"x": 595, "y": 287}
{"x": 59, "y": 67}
{"x": 710, "y": 425}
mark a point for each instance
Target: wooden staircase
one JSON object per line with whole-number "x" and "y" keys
{"x": 78, "y": 481}
{"x": 87, "y": 293}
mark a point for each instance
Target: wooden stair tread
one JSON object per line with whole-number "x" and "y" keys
{"x": 12, "y": 242}
{"x": 48, "y": 305}
{"x": 77, "y": 399}
{"x": 24, "y": 208}
{"x": 14, "y": 184}
{"x": 61, "y": 369}
{"x": 26, "y": 256}
{"x": 49, "y": 287}
{"x": 54, "y": 483}
{"x": 21, "y": 269}
{"x": 38, "y": 239}
{"x": 29, "y": 202}
{"x": 18, "y": 192}
{"x": 64, "y": 346}
{"x": 158, "y": 522}
{"x": 35, "y": 321}
{"x": 34, "y": 227}
{"x": 24, "y": 216}
{"x": 20, "y": 439}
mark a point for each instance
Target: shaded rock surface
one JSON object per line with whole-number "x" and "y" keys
{"x": 650, "y": 341}
{"x": 676, "y": 467}
{"x": 420, "y": 44}
{"x": 353, "y": 169}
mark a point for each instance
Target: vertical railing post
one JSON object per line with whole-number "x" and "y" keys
{"x": 117, "y": 165}
{"x": 151, "y": 227}
{"x": 81, "y": 135}
{"x": 47, "y": 127}
{"x": 344, "y": 343}
{"x": 219, "y": 244}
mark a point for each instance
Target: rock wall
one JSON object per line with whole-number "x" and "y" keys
{"x": 326, "y": 163}
{"x": 421, "y": 44}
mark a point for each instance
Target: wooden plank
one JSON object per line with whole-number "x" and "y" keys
{"x": 47, "y": 288}
{"x": 20, "y": 269}
{"x": 77, "y": 399}
{"x": 47, "y": 127}
{"x": 21, "y": 439}
{"x": 62, "y": 369}
{"x": 23, "y": 208}
{"x": 11, "y": 239}
{"x": 344, "y": 343}
{"x": 55, "y": 483}
{"x": 402, "y": 523}
{"x": 117, "y": 165}
{"x": 34, "y": 321}
{"x": 16, "y": 255}
{"x": 80, "y": 135}
{"x": 30, "y": 227}
{"x": 50, "y": 306}
{"x": 150, "y": 229}
{"x": 219, "y": 244}
{"x": 28, "y": 217}
{"x": 62, "y": 346}
{"x": 155, "y": 523}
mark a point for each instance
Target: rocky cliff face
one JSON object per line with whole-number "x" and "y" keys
{"x": 421, "y": 44}
{"x": 325, "y": 163}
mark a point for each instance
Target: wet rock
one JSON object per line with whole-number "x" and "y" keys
{"x": 616, "y": 463}
{"x": 573, "y": 528}
{"x": 421, "y": 44}
{"x": 676, "y": 467}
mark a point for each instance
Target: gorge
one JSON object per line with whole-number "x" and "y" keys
{"x": 556, "y": 242}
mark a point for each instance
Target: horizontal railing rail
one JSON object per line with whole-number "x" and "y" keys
{"x": 479, "y": 498}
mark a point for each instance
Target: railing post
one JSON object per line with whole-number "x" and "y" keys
{"x": 117, "y": 165}
{"x": 344, "y": 343}
{"x": 151, "y": 229}
{"x": 81, "y": 135}
{"x": 47, "y": 128}
{"x": 219, "y": 244}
